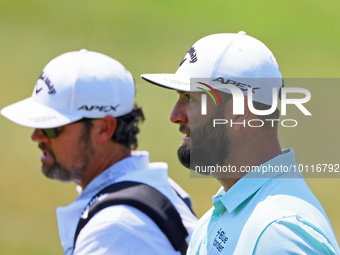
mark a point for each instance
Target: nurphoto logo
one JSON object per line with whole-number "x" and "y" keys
{"x": 237, "y": 89}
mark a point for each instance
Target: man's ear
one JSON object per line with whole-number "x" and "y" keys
{"x": 240, "y": 121}
{"x": 105, "y": 128}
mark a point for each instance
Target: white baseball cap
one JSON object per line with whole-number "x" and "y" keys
{"x": 76, "y": 85}
{"x": 228, "y": 58}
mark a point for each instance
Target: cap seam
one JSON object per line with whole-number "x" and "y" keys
{"x": 74, "y": 83}
{"x": 219, "y": 56}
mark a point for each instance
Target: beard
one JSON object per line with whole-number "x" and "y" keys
{"x": 58, "y": 171}
{"x": 209, "y": 145}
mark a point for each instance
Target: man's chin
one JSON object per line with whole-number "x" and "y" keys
{"x": 183, "y": 154}
{"x": 55, "y": 173}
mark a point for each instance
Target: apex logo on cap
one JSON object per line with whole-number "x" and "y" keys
{"x": 104, "y": 108}
{"x": 242, "y": 86}
{"x": 51, "y": 89}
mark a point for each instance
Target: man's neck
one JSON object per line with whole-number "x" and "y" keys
{"x": 247, "y": 158}
{"x": 102, "y": 161}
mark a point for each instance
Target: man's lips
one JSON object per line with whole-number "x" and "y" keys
{"x": 184, "y": 130}
{"x": 186, "y": 138}
{"x": 187, "y": 135}
{"x": 46, "y": 153}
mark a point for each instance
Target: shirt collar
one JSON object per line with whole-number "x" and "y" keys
{"x": 253, "y": 181}
{"x": 138, "y": 161}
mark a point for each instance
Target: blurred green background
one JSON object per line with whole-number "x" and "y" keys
{"x": 148, "y": 37}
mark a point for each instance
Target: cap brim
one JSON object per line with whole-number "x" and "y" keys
{"x": 32, "y": 114}
{"x": 171, "y": 81}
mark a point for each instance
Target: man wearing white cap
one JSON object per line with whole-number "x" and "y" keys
{"x": 82, "y": 110}
{"x": 254, "y": 212}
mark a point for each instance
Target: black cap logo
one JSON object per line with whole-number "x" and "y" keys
{"x": 44, "y": 78}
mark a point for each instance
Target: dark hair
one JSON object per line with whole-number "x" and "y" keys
{"x": 127, "y": 128}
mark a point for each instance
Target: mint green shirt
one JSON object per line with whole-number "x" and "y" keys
{"x": 274, "y": 214}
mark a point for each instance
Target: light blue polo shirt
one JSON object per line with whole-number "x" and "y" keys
{"x": 274, "y": 214}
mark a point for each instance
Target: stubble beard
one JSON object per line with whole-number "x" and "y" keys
{"x": 208, "y": 145}
{"x": 58, "y": 171}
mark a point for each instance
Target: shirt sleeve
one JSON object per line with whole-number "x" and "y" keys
{"x": 122, "y": 230}
{"x": 291, "y": 236}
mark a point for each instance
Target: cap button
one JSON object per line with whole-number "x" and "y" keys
{"x": 83, "y": 51}
{"x": 242, "y": 33}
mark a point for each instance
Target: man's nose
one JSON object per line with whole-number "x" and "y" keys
{"x": 38, "y": 136}
{"x": 179, "y": 114}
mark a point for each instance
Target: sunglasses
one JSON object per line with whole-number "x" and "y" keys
{"x": 50, "y": 132}
{"x": 53, "y": 132}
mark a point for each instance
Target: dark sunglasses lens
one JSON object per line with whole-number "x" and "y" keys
{"x": 50, "y": 132}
